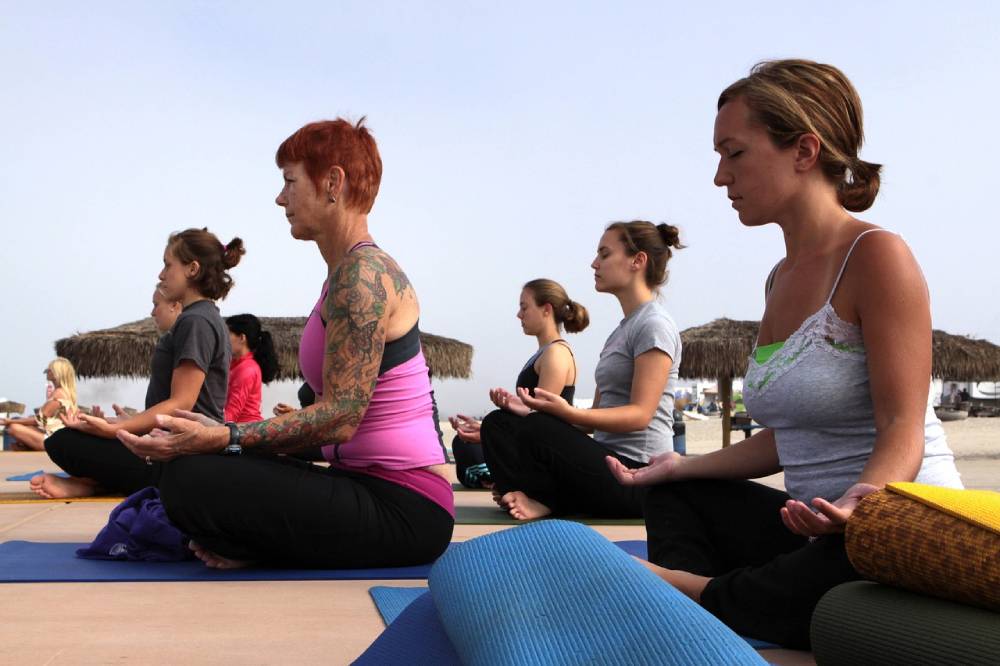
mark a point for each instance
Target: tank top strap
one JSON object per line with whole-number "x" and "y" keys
{"x": 843, "y": 266}
{"x": 769, "y": 282}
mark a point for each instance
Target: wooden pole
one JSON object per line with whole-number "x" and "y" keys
{"x": 726, "y": 398}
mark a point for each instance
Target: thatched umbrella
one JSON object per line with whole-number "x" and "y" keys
{"x": 125, "y": 351}
{"x": 964, "y": 359}
{"x": 721, "y": 348}
{"x": 11, "y": 407}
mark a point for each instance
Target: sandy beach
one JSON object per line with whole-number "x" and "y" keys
{"x": 975, "y": 442}
{"x": 974, "y": 437}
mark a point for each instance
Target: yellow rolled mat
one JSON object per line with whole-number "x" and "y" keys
{"x": 936, "y": 541}
{"x": 32, "y": 498}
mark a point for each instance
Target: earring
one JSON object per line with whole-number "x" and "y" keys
{"x": 333, "y": 199}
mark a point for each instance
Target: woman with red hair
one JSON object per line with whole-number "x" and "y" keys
{"x": 384, "y": 499}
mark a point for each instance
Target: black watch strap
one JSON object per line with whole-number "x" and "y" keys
{"x": 233, "y": 448}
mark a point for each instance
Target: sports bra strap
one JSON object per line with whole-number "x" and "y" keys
{"x": 568, "y": 348}
{"x": 843, "y": 266}
{"x": 565, "y": 344}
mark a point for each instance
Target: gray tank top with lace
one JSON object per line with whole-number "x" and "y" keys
{"x": 814, "y": 394}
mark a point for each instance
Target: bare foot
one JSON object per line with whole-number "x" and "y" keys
{"x": 217, "y": 561}
{"x": 690, "y": 584}
{"x": 498, "y": 498}
{"x": 522, "y": 507}
{"x": 51, "y": 486}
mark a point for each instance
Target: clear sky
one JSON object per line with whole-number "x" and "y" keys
{"x": 511, "y": 134}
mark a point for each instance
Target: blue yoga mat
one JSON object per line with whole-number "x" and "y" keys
{"x": 28, "y": 476}
{"x": 553, "y": 592}
{"x": 32, "y": 562}
{"x": 415, "y": 637}
{"x": 35, "y": 562}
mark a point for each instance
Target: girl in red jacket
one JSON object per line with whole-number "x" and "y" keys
{"x": 254, "y": 361}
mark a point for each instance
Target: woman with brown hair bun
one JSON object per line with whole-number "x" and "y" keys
{"x": 544, "y": 311}
{"x": 839, "y": 376}
{"x": 189, "y": 371}
{"x": 545, "y": 464}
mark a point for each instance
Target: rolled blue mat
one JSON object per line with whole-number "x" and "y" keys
{"x": 559, "y": 592}
{"x": 391, "y": 601}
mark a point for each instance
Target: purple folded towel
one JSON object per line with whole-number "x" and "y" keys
{"x": 139, "y": 530}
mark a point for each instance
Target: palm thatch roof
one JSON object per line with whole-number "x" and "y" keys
{"x": 125, "y": 351}
{"x": 11, "y": 407}
{"x": 717, "y": 349}
{"x": 721, "y": 349}
{"x": 964, "y": 359}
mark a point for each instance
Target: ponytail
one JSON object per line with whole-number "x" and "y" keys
{"x": 858, "y": 193}
{"x": 567, "y": 313}
{"x": 575, "y": 317}
{"x": 260, "y": 343}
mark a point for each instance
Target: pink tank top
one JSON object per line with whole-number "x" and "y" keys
{"x": 397, "y": 435}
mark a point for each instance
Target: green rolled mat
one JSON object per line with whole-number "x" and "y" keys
{"x": 869, "y": 623}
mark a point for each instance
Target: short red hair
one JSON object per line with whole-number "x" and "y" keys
{"x": 322, "y": 145}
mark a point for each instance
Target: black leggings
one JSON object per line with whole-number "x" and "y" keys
{"x": 470, "y": 463}
{"x": 272, "y": 509}
{"x": 766, "y": 581}
{"x": 107, "y": 461}
{"x": 556, "y": 464}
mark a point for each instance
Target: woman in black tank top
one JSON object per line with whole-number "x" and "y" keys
{"x": 544, "y": 310}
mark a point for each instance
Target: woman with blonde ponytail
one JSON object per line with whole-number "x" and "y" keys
{"x": 544, "y": 310}
{"x": 29, "y": 432}
{"x": 189, "y": 371}
{"x": 839, "y": 377}
{"x": 545, "y": 464}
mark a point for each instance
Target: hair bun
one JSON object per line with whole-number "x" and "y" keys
{"x": 232, "y": 252}
{"x": 858, "y": 193}
{"x": 670, "y": 234}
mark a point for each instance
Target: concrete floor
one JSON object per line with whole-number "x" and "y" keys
{"x": 214, "y": 623}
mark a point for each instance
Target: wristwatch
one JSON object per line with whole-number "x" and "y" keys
{"x": 233, "y": 448}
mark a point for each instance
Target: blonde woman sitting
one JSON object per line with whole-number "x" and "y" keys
{"x": 29, "y": 432}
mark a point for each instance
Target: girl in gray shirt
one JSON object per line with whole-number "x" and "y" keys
{"x": 557, "y": 469}
{"x": 189, "y": 371}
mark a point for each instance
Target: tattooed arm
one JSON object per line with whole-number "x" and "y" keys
{"x": 357, "y": 314}
{"x": 364, "y": 290}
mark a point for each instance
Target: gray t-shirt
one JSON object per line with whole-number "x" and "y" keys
{"x": 198, "y": 335}
{"x": 648, "y": 327}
